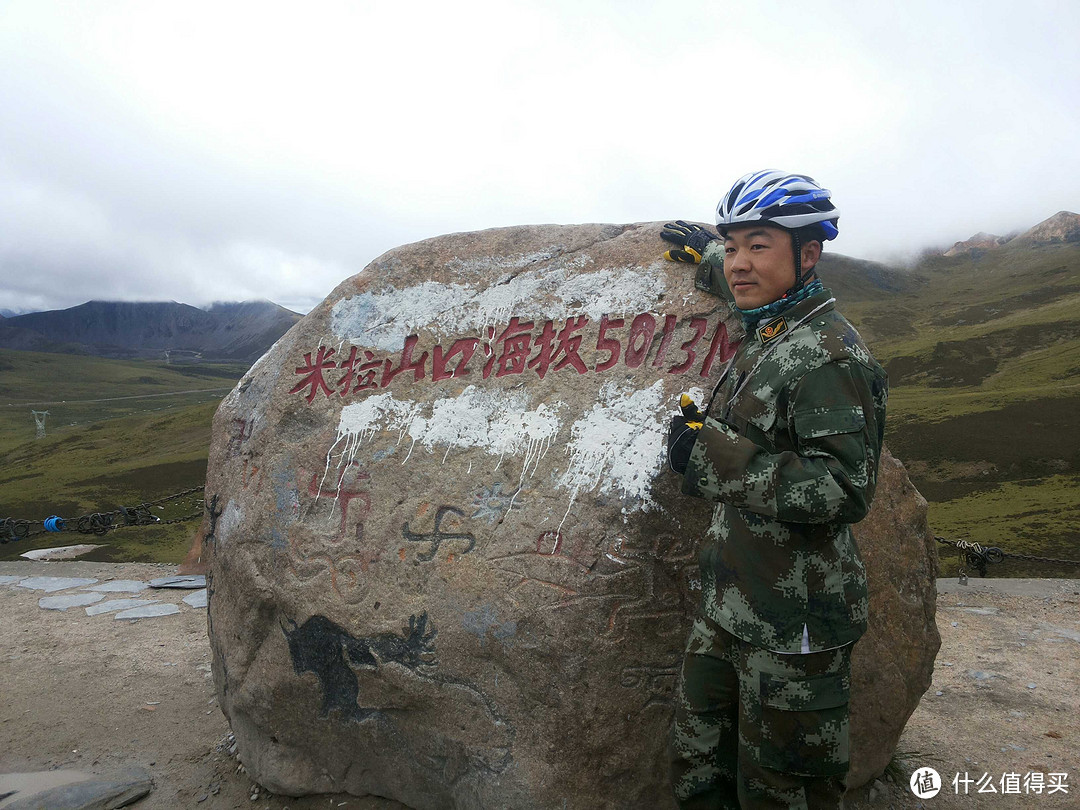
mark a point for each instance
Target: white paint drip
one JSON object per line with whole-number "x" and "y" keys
{"x": 618, "y": 446}
{"x": 360, "y": 421}
{"x": 497, "y": 422}
{"x": 383, "y": 320}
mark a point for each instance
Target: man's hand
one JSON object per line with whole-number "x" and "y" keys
{"x": 690, "y": 410}
{"x": 690, "y": 238}
{"x": 681, "y": 437}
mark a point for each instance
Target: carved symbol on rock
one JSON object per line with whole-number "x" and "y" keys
{"x": 339, "y": 661}
{"x": 657, "y": 682}
{"x": 215, "y": 513}
{"x": 634, "y": 584}
{"x": 345, "y": 496}
{"x": 250, "y": 473}
{"x": 491, "y": 503}
{"x": 437, "y": 535}
{"x": 343, "y": 557}
{"x": 242, "y": 434}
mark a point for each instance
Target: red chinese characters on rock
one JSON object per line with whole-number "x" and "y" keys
{"x": 520, "y": 348}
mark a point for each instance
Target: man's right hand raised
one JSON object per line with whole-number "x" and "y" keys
{"x": 691, "y": 241}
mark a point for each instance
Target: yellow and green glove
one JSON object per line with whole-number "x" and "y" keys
{"x": 683, "y": 434}
{"x": 691, "y": 241}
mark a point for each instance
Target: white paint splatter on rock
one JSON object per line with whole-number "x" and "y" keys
{"x": 617, "y": 446}
{"x": 383, "y": 320}
{"x": 497, "y": 422}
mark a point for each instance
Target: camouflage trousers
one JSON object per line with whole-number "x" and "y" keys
{"x": 759, "y": 729}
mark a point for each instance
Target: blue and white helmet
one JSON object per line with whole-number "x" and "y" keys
{"x": 773, "y": 197}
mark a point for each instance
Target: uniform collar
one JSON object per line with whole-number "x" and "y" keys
{"x": 769, "y": 330}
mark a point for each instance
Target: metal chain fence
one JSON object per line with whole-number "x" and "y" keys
{"x": 978, "y": 556}
{"x": 12, "y": 529}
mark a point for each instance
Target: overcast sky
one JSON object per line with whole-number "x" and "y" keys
{"x": 204, "y": 151}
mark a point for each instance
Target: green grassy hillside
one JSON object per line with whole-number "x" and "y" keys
{"x": 118, "y": 433}
{"x": 983, "y": 355}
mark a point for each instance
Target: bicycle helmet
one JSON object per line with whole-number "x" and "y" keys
{"x": 794, "y": 202}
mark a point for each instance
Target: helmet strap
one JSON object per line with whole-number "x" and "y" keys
{"x": 796, "y": 246}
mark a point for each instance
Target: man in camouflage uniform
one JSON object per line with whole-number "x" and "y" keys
{"x": 788, "y": 450}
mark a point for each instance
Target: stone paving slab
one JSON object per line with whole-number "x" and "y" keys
{"x": 51, "y": 584}
{"x": 122, "y": 585}
{"x": 69, "y": 600}
{"x": 148, "y": 611}
{"x": 72, "y": 790}
{"x": 91, "y": 590}
{"x": 1062, "y": 632}
{"x": 190, "y": 581}
{"x": 117, "y": 604}
{"x": 59, "y": 553}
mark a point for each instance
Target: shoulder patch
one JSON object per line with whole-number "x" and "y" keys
{"x": 772, "y": 330}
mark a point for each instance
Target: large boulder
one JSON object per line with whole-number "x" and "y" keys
{"x": 893, "y": 663}
{"x": 447, "y": 565}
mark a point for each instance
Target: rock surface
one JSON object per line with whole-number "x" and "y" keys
{"x": 72, "y": 790}
{"x": 980, "y": 241}
{"x": 446, "y": 563}
{"x": 893, "y": 664}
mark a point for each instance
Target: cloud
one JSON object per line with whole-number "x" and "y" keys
{"x": 210, "y": 151}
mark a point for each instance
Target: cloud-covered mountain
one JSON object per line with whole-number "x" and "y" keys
{"x": 1064, "y": 226}
{"x": 234, "y": 331}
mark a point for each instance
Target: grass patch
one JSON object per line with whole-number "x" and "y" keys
{"x": 125, "y": 462}
{"x": 1022, "y": 439}
{"x": 109, "y": 446}
{"x": 79, "y": 391}
{"x": 1038, "y": 517}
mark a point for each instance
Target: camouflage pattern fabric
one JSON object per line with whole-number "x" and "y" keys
{"x": 759, "y": 729}
{"x": 789, "y": 452}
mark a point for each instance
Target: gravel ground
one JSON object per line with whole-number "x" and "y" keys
{"x": 99, "y": 694}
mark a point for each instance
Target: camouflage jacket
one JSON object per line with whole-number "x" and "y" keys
{"x": 789, "y": 451}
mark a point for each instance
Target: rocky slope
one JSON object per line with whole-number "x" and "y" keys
{"x": 1064, "y": 226}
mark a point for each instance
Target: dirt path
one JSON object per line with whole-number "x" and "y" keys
{"x": 1005, "y": 697}
{"x": 99, "y": 694}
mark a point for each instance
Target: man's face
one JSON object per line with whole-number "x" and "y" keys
{"x": 759, "y": 264}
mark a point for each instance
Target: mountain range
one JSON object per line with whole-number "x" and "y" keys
{"x": 234, "y": 331}
{"x": 878, "y": 294}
